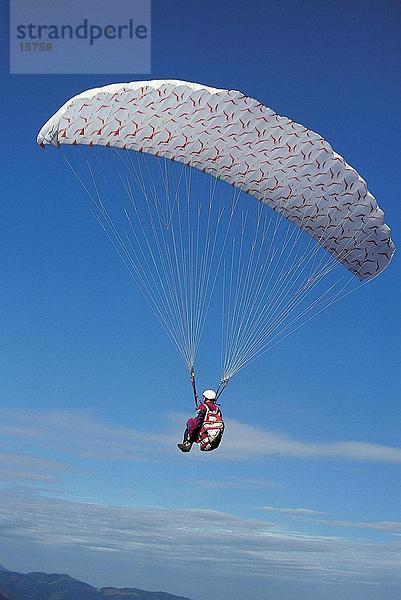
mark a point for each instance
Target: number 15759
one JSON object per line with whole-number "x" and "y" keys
{"x": 36, "y": 46}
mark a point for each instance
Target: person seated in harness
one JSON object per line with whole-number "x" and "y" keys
{"x": 197, "y": 427}
{"x": 206, "y": 427}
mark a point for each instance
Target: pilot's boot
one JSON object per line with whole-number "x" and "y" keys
{"x": 185, "y": 446}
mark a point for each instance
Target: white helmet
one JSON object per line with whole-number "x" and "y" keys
{"x": 209, "y": 394}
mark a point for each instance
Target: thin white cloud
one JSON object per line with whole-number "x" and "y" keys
{"x": 237, "y": 484}
{"x": 23, "y": 467}
{"x": 393, "y": 527}
{"x": 245, "y": 441}
{"x": 388, "y": 526}
{"x": 293, "y": 511}
{"x": 195, "y": 539}
{"x": 80, "y": 434}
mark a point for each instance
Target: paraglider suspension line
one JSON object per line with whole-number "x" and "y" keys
{"x": 221, "y": 387}
{"x": 193, "y": 382}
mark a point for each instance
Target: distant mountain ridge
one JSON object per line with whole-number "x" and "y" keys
{"x": 55, "y": 586}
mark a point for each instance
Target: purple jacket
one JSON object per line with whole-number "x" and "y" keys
{"x": 194, "y": 424}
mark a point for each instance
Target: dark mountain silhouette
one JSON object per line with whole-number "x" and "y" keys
{"x": 45, "y": 586}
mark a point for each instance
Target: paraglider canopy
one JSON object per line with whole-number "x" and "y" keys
{"x": 177, "y": 244}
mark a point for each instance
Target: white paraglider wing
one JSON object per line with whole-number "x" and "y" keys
{"x": 237, "y": 139}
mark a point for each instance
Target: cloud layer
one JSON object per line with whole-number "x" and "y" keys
{"x": 80, "y": 434}
{"x": 194, "y": 539}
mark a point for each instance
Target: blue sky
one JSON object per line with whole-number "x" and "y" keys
{"x": 93, "y": 396}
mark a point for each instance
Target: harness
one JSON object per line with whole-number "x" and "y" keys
{"x": 212, "y": 429}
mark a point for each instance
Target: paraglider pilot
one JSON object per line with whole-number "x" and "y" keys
{"x": 207, "y": 426}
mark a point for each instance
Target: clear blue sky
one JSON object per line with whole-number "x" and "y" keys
{"x": 93, "y": 396}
